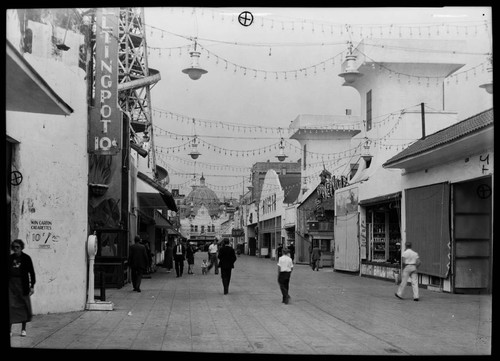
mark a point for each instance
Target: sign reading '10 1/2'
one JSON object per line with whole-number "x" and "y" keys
{"x": 105, "y": 128}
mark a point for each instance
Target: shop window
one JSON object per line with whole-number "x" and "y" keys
{"x": 435, "y": 281}
{"x": 109, "y": 245}
{"x": 325, "y": 245}
{"x": 384, "y": 232}
{"x": 354, "y": 170}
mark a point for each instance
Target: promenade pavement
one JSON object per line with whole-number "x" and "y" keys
{"x": 329, "y": 313}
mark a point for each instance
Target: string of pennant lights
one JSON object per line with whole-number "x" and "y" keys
{"x": 212, "y": 166}
{"x": 247, "y": 128}
{"x": 316, "y": 68}
{"x": 263, "y": 150}
{"x": 423, "y": 30}
{"x": 313, "y": 69}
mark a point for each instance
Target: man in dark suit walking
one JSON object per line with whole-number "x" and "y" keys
{"x": 227, "y": 257}
{"x": 179, "y": 257}
{"x": 138, "y": 262}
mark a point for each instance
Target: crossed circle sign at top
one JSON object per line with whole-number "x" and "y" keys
{"x": 245, "y": 18}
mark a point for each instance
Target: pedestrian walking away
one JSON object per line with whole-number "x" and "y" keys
{"x": 150, "y": 255}
{"x": 291, "y": 247}
{"x": 168, "y": 261}
{"x": 279, "y": 251}
{"x": 190, "y": 251}
{"x": 212, "y": 257}
{"x": 138, "y": 262}
{"x": 316, "y": 257}
{"x": 227, "y": 257}
{"x": 179, "y": 257}
{"x": 285, "y": 267}
{"x": 411, "y": 262}
{"x": 21, "y": 286}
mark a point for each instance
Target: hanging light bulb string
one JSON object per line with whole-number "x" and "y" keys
{"x": 268, "y": 71}
{"x": 353, "y": 125}
{"x": 215, "y": 166}
{"x": 361, "y": 28}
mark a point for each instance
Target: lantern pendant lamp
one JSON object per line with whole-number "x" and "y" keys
{"x": 194, "y": 149}
{"x": 281, "y": 155}
{"x": 194, "y": 71}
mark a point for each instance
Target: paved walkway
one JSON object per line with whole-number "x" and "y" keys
{"x": 329, "y": 313}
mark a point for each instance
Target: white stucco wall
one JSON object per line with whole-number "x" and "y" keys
{"x": 272, "y": 187}
{"x": 452, "y": 172}
{"x": 52, "y": 157}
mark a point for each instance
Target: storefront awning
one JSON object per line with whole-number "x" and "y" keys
{"x": 27, "y": 91}
{"x": 161, "y": 221}
{"x": 149, "y": 202}
{"x": 174, "y": 232}
{"x": 380, "y": 199}
{"x": 145, "y": 218}
{"x": 163, "y": 193}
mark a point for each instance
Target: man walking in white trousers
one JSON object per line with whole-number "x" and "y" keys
{"x": 410, "y": 261}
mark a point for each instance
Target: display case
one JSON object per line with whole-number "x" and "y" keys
{"x": 394, "y": 253}
{"x": 379, "y": 242}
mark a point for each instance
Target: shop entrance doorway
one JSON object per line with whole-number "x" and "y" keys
{"x": 472, "y": 234}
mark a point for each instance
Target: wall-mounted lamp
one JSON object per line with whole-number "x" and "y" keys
{"x": 350, "y": 74}
{"x": 195, "y": 71}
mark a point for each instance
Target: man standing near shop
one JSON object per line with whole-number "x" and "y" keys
{"x": 291, "y": 248}
{"x": 316, "y": 257}
{"x": 279, "y": 251}
{"x": 227, "y": 257}
{"x": 138, "y": 262}
{"x": 212, "y": 257}
{"x": 179, "y": 257}
{"x": 410, "y": 261}
{"x": 285, "y": 267}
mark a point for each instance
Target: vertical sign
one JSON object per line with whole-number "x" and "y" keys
{"x": 105, "y": 128}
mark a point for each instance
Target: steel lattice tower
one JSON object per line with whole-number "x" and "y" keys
{"x": 135, "y": 77}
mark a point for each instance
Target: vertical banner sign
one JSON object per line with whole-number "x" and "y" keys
{"x": 105, "y": 128}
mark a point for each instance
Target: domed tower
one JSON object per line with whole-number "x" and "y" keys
{"x": 202, "y": 195}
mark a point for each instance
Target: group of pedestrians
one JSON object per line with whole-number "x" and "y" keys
{"x": 22, "y": 279}
{"x": 223, "y": 258}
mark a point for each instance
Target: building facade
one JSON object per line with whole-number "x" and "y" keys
{"x": 277, "y": 192}
{"x": 372, "y": 219}
{"x": 47, "y": 162}
{"x": 447, "y": 204}
{"x": 203, "y": 215}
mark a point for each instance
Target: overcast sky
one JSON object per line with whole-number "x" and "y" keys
{"x": 244, "y": 61}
